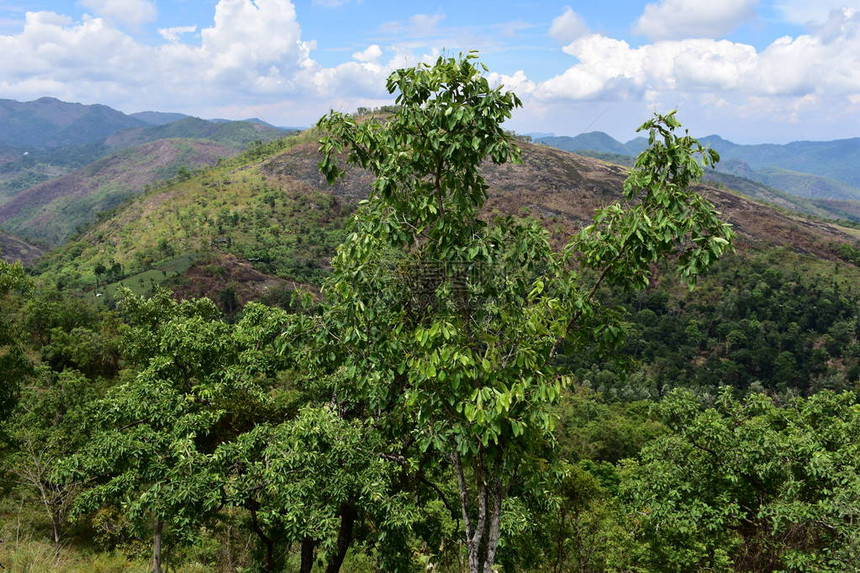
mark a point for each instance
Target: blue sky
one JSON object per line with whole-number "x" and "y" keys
{"x": 750, "y": 70}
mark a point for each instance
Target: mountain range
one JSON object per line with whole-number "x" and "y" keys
{"x": 816, "y": 177}
{"x": 61, "y": 164}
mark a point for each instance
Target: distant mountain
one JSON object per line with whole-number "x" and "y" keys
{"x": 49, "y": 122}
{"x": 256, "y": 120}
{"x": 53, "y": 211}
{"x": 46, "y": 139}
{"x": 238, "y": 134}
{"x": 838, "y": 159}
{"x": 592, "y": 141}
{"x": 811, "y": 173}
{"x": 158, "y": 117}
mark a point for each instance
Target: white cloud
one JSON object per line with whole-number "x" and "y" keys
{"x": 808, "y": 11}
{"x": 252, "y": 50}
{"x": 173, "y": 34}
{"x": 677, "y": 19}
{"x": 519, "y": 83}
{"x": 132, "y": 13}
{"x": 252, "y": 60}
{"x": 793, "y": 87}
{"x": 818, "y": 64}
{"x": 371, "y": 54}
{"x": 568, "y": 27}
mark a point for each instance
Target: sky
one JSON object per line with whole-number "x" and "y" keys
{"x": 752, "y": 71}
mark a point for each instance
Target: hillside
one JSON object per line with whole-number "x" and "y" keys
{"x": 238, "y": 134}
{"x": 826, "y": 170}
{"x": 14, "y": 248}
{"x": 51, "y": 212}
{"x": 46, "y": 139}
{"x": 158, "y": 117}
{"x": 276, "y": 212}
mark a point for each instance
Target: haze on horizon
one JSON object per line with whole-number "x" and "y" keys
{"x": 752, "y": 71}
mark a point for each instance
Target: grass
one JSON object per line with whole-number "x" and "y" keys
{"x": 31, "y": 556}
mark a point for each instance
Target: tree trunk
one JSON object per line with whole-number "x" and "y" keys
{"x": 308, "y": 547}
{"x": 495, "y": 519}
{"x": 156, "y": 545}
{"x": 482, "y": 531}
{"x": 56, "y": 527}
{"x": 344, "y": 537}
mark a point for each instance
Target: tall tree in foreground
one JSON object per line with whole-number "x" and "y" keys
{"x": 443, "y": 327}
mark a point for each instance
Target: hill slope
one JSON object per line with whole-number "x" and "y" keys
{"x": 275, "y": 211}
{"x": 14, "y": 248}
{"x": 801, "y": 176}
{"x": 52, "y": 211}
{"x": 238, "y": 134}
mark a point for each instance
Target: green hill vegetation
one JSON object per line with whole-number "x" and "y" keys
{"x": 444, "y": 360}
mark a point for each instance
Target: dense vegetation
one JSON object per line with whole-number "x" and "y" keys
{"x": 459, "y": 395}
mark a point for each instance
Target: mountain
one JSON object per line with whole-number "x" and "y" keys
{"x": 158, "y": 117}
{"x": 591, "y": 141}
{"x": 272, "y": 209}
{"x": 52, "y": 211}
{"x": 238, "y": 134}
{"x": 49, "y": 122}
{"x": 838, "y": 159}
{"x": 256, "y": 120}
{"x": 14, "y": 248}
{"x": 802, "y": 176}
{"x": 35, "y": 147}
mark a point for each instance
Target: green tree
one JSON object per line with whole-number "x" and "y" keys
{"x": 14, "y": 364}
{"x": 48, "y": 425}
{"x": 750, "y": 485}
{"x": 446, "y": 326}
{"x": 200, "y": 382}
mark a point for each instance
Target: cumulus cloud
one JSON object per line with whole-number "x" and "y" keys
{"x": 132, "y": 13}
{"x": 519, "y": 83}
{"x": 371, "y": 54}
{"x": 806, "y": 12}
{"x": 677, "y": 19}
{"x": 251, "y": 50}
{"x": 568, "y": 27}
{"x": 816, "y": 65}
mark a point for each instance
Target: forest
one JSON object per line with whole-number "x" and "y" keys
{"x": 455, "y": 390}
